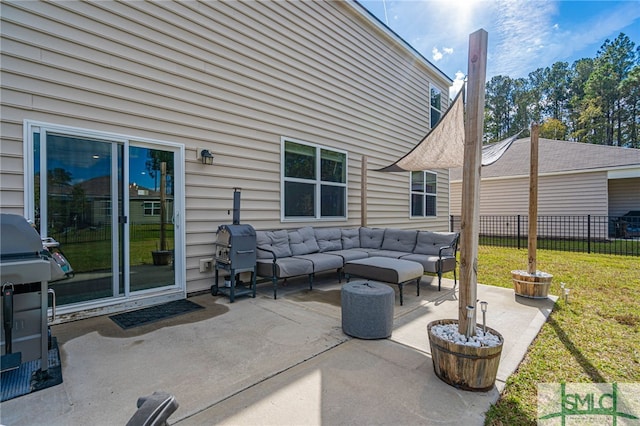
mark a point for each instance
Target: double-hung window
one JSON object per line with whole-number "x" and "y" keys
{"x": 423, "y": 193}
{"x": 314, "y": 181}
{"x": 436, "y": 105}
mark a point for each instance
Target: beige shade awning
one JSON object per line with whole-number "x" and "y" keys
{"x": 443, "y": 146}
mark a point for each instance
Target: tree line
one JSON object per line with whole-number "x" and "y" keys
{"x": 595, "y": 100}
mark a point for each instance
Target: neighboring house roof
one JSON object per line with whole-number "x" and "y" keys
{"x": 556, "y": 156}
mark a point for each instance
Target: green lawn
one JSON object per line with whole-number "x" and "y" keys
{"x": 96, "y": 255}
{"x": 603, "y": 298}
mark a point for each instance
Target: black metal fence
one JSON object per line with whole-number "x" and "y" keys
{"x": 587, "y": 233}
{"x": 137, "y": 232}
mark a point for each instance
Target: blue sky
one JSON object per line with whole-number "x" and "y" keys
{"x": 523, "y": 34}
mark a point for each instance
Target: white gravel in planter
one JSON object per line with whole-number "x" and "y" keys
{"x": 535, "y": 274}
{"x": 450, "y": 332}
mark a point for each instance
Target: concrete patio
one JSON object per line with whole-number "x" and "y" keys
{"x": 276, "y": 362}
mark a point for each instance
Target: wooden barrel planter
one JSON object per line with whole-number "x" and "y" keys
{"x": 464, "y": 367}
{"x": 161, "y": 257}
{"x": 535, "y": 286}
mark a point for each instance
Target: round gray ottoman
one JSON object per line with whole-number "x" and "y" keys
{"x": 367, "y": 309}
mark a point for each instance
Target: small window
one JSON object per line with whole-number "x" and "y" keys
{"x": 423, "y": 194}
{"x": 151, "y": 208}
{"x": 314, "y": 181}
{"x": 436, "y": 106}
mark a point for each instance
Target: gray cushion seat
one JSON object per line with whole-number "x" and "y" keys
{"x": 430, "y": 262}
{"x": 322, "y": 261}
{"x": 348, "y": 255}
{"x": 285, "y": 267}
{"x": 386, "y": 269}
{"x": 436, "y": 252}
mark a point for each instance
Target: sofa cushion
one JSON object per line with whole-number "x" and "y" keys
{"x": 371, "y": 237}
{"x": 429, "y": 242}
{"x": 350, "y": 238}
{"x": 322, "y": 261}
{"x": 285, "y": 267}
{"x": 276, "y": 241}
{"x": 387, "y": 253}
{"x": 303, "y": 241}
{"x": 348, "y": 255}
{"x": 430, "y": 262}
{"x": 328, "y": 239}
{"x": 399, "y": 240}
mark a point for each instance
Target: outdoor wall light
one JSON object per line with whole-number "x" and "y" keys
{"x": 206, "y": 157}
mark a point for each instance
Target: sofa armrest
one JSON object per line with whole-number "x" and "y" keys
{"x": 274, "y": 260}
{"x": 273, "y": 254}
{"x": 453, "y": 247}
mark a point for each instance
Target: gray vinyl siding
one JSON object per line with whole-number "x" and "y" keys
{"x": 624, "y": 196}
{"x": 231, "y": 77}
{"x": 558, "y": 195}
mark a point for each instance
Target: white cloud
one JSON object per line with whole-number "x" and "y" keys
{"x": 436, "y": 55}
{"x": 458, "y": 82}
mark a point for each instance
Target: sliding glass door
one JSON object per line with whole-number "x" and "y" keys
{"x": 105, "y": 209}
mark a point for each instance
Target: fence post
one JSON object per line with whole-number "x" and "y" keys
{"x": 589, "y": 233}
{"x": 518, "y": 232}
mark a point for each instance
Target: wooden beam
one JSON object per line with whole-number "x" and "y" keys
{"x": 470, "y": 220}
{"x": 533, "y": 200}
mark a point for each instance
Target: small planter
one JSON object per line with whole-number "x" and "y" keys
{"x": 464, "y": 367}
{"x": 535, "y": 286}
{"x": 161, "y": 257}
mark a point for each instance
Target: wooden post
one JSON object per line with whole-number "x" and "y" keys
{"x": 363, "y": 192}
{"x": 533, "y": 200}
{"x": 470, "y": 221}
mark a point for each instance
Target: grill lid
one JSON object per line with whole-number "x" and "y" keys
{"x": 18, "y": 239}
{"x": 238, "y": 230}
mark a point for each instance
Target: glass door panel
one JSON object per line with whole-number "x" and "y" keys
{"x": 151, "y": 218}
{"x": 107, "y": 208}
{"x": 79, "y": 207}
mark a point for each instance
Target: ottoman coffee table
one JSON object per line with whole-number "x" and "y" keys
{"x": 386, "y": 269}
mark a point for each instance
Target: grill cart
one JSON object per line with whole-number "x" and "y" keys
{"x": 24, "y": 275}
{"x": 235, "y": 253}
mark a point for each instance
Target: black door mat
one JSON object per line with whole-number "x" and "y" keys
{"x": 156, "y": 313}
{"x": 28, "y": 378}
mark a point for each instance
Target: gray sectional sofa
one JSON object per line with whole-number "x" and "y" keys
{"x": 283, "y": 254}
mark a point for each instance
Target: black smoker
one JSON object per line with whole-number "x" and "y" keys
{"x": 235, "y": 252}
{"x": 24, "y": 276}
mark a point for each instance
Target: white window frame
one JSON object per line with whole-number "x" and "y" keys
{"x": 424, "y": 194}
{"x": 317, "y": 182}
{"x": 432, "y": 108}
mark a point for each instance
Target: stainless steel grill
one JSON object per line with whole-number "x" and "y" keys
{"x": 24, "y": 276}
